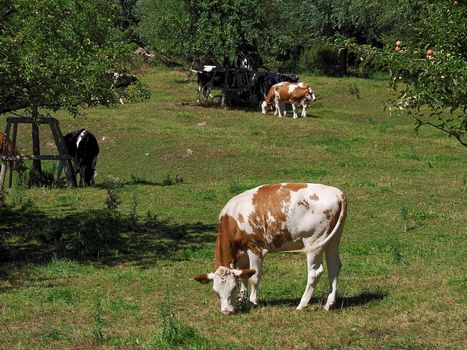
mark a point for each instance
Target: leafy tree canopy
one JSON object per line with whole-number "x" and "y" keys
{"x": 429, "y": 69}
{"x": 57, "y": 53}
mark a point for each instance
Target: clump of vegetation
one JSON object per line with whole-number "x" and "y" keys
{"x": 175, "y": 334}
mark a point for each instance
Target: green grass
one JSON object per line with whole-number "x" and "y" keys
{"x": 110, "y": 266}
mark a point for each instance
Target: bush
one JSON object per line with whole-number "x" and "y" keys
{"x": 321, "y": 57}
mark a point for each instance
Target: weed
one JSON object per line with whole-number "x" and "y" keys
{"x": 112, "y": 201}
{"x": 98, "y": 323}
{"x": 405, "y": 217}
{"x": 208, "y": 195}
{"x": 151, "y": 221}
{"x": 169, "y": 181}
{"x": 174, "y": 333}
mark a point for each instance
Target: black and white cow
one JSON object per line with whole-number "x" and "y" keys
{"x": 120, "y": 81}
{"x": 83, "y": 147}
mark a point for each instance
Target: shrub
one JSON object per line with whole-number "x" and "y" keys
{"x": 321, "y": 57}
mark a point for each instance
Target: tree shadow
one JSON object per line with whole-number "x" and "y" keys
{"x": 134, "y": 180}
{"x": 30, "y": 236}
{"x": 345, "y": 302}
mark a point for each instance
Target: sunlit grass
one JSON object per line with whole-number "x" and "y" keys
{"x": 173, "y": 165}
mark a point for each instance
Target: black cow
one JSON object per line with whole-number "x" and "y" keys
{"x": 82, "y": 146}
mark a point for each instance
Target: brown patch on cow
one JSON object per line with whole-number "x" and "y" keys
{"x": 232, "y": 242}
{"x": 314, "y": 197}
{"x": 304, "y": 203}
{"x": 9, "y": 145}
{"x": 271, "y": 201}
{"x": 328, "y": 214}
{"x": 241, "y": 219}
{"x": 298, "y": 94}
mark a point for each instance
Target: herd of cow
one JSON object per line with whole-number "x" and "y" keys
{"x": 268, "y": 90}
{"x": 282, "y": 217}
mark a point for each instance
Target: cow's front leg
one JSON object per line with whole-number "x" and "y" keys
{"x": 61, "y": 163}
{"x": 278, "y": 107}
{"x": 315, "y": 270}
{"x": 304, "y": 105}
{"x": 294, "y": 109}
{"x": 256, "y": 264}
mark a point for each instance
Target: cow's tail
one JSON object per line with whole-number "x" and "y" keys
{"x": 336, "y": 229}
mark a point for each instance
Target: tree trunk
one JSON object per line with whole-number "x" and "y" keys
{"x": 36, "y": 163}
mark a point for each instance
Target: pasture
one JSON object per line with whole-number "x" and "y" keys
{"x": 167, "y": 167}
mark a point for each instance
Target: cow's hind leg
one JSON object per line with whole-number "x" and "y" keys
{"x": 315, "y": 270}
{"x": 333, "y": 263}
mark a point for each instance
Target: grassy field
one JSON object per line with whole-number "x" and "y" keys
{"x": 110, "y": 267}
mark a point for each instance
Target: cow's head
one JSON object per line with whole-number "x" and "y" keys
{"x": 266, "y": 107}
{"x": 310, "y": 95}
{"x": 225, "y": 285}
{"x": 89, "y": 173}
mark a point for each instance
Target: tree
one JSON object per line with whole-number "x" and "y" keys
{"x": 430, "y": 70}
{"x": 209, "y": 30}
{"x": 57, "y": 54}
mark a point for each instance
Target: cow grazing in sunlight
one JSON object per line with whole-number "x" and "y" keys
{"x": 293, "y": 93}
{"x": 273, "y": 218}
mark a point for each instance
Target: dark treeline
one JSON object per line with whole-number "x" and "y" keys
{"x": 289, "y": 35}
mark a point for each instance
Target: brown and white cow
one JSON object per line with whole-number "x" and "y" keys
{"x": 293, "y": 93}
{"x": 273, "y": 218}
{"x": 9, "y": 145}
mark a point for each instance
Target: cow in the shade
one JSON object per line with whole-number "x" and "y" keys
{"x": 10, "y": 151}
{"x": 293, "y": 93}
{"x": 272, "y": 218}
{"x": 83, "y": 147}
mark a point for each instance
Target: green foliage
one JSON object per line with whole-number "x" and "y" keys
{"x": 209, "y": 30}
{"x": 56, "y": 54}
{"x": 431, "y": 87}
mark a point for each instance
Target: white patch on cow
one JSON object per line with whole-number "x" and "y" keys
{"x": 241, "y": 204}
{"x": 208, "y": 68}
{"x": 292, "y": 88}
{"x": 80, "y": 137}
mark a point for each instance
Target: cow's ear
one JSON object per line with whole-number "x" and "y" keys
{"x": 204, "y": 278}
{"x": 244, "y": 273}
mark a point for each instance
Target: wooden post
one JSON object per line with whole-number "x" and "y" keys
{"x": 63, "y": 150}
{"x": 4, "y": 155}
{"x": 13, "y": 162}
{"x": 36, "y": 150}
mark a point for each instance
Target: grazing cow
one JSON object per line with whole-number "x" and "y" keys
{"x": 120, "y": 81}
{"x": 207, "y": 79}
{"x": 263, "y": 81}
{"x": 277, "y": 217}
{"x": 288, "y": 92}
{"x": 82, "y": 146}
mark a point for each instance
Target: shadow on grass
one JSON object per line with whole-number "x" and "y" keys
{"x": 29, "y": 236}
{"x": 167, "y": 181}
{"x": 341, "y": 302}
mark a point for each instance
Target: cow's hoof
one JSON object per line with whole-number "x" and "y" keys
{"x": 327, "y": 307}
{"x": 301, "y": 307}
